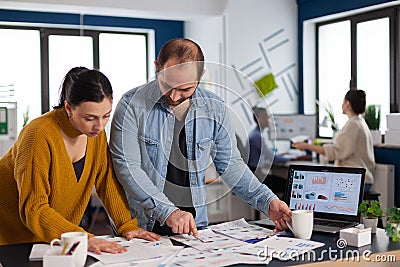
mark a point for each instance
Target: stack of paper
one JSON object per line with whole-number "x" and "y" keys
{"x": 139, "y": 250}
{"x": 243, "y": 231}
{"x": 285, "y": 248}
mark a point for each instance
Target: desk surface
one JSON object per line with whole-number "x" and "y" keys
{"x": 17, "y": 255}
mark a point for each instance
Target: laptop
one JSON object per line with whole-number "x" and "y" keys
{"x": 333, "y": 193}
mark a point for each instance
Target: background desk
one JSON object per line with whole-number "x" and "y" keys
{"x": 17, "y": 255}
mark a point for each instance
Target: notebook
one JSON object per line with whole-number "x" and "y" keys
{"x": 333, "y": 193}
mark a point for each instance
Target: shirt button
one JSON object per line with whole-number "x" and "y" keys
{"x": 193, "y": 183}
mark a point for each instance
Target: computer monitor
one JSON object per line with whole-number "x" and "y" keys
{"x": 331, "y": 192}
{"x": 289, "y": 126}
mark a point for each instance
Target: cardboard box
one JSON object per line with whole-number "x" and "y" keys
{"x": 393, "y": 121}
{"x": 356, "y": 237}
{"x": 392, "y": 137}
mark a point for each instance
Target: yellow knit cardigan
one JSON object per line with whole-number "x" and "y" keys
{"x": 40, "y": 197}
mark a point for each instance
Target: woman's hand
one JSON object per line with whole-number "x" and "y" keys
{"x": 301, "y": 145}
{"x": 143, "y": 234}
{"x": 99, "y": 245}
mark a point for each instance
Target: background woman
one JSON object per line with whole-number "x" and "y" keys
{"x": 47, "y": 177}
{"x": 352, "y": 145}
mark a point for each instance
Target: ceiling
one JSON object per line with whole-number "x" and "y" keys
{"x": 155, "y": 9}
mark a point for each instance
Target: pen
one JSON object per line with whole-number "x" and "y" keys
{"x": 201, "y": 240}
{"x": 65, "y": 248}
{"x": 198, "y": 238}
{"x": 255, "y": 240}
{"x": 72, "y": 249}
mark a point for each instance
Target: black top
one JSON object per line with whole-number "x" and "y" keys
{"x": 78, "y": 167}
{"x": 177, "y": 184}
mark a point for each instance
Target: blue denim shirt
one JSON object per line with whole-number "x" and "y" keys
{"x": 140, "y": 144}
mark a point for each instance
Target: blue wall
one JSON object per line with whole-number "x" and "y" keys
{"x": 308, "y": 9}
{"x": 164, "y": 29}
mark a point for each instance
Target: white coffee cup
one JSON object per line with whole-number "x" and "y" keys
{"x": 302, "y": 223}
{"x": 69, "y": 239}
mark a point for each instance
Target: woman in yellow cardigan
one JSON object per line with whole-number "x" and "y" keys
{"x": 46, "y": 178}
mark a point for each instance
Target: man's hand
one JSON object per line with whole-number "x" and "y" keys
{"x": 279, "y": 213}
{"x": 182, "y": 222}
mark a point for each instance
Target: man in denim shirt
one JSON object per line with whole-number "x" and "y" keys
{"x": 164, "y": 135}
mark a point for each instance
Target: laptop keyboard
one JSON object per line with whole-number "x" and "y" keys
{"x": 332, "y": 223}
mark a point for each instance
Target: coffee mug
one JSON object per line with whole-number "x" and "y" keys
{"x": 69, "y": 239}
{"x": 302, "y": 223}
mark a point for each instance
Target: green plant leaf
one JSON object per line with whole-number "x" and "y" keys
{"x": 371, "y": 209}
{"x": 372, "y": 116}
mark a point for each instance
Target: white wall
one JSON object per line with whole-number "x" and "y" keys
{"x": 260, "y": 34}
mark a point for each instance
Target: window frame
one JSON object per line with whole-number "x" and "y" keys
{"x": 46, "y": 31}
{"x": 394, "y": 80}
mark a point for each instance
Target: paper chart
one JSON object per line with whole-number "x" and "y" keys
{"x": 243, "y": 231}
{"x": 285, "y": 248}
{"x": 208, "y": 240}
{"x": 136, "y": 252}
{"x": 190, "y": 257}
{"x": 164, "y": 242}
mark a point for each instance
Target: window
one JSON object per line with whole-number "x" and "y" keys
{"x": 356, "y": 51}
{"x": 35, "y": 60}
{"x": 66, "y": 52}
{"x": 20, "y": 71}
{"x": 373, "y": 63}
{"x": 123, "y": 60}
{"x": 334, "y": 63}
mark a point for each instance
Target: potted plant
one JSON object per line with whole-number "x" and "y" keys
{"x": 371, "y": 211}
{"x": 25, "y": 116}
{"x": 372, "y": 117}
{"x": 393, "y": 224}
{"x": 329, "y": 118}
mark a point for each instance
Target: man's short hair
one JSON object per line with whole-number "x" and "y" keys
{"x": 184, "y": 50}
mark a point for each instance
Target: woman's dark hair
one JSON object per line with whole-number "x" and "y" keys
{"x": 184, "y": 50}
{"x": 83, "y": 85}
{"x": 357, "y": 100}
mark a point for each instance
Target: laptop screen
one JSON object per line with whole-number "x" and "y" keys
{"x": 331, "y": 192}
